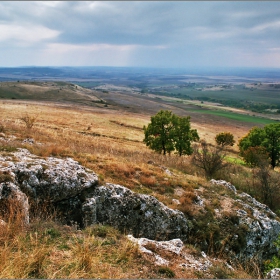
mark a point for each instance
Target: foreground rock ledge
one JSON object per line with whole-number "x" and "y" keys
{"x": 73, "y": 190}
{"x": 139, "y": 214}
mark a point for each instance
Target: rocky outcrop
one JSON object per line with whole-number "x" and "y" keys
{"x": 263, "y": 229}
{"x": 74, "y": 192}
{"x": 260, "y": 226}
{"x": 50, "y": 179}
{"x": 139, "y": 214}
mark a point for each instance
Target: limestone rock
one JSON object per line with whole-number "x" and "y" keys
{"x": 225, "y": 184}
{"x": 9, "y": 192}
{"x": 273, "y": 274}
{"x": 73, "y": 190}
{"x": 174, "y": 254}
{"x": 260, "y": 226}
{"x": 50, "y": 179}
{"x": 154, "y": 248}
{"x": 263, "y": 229}
{"x": 139, "y": 214}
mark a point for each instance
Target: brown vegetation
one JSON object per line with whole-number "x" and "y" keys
{"x": 113, "y": 147}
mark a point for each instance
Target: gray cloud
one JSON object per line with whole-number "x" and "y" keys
{"x": 142, "y": 33}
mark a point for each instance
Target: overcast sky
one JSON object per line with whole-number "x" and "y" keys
{"x": 140, "y": 33}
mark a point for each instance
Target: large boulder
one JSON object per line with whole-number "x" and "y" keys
{"x": 263, "y": 228}
{"x": 139, "y": 214}
{"x": 260, "y": 226}
{"x": 73, "y": 190}
{"x": 51, "y": 179}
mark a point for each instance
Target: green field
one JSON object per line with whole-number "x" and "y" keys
{"x": 236, "y": 117}
{"x": 259, "y": 98}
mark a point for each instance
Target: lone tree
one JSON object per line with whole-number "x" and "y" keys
{"x": 168, "y": 132}
{"x": 225, "y": 139}
{"x": 267, "y": 137}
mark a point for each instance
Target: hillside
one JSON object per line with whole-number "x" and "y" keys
{"x": 103, "y": 132}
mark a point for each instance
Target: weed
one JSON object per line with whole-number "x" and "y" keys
{"x": 5, "y": 176}
{"x": 2, "y": 128}
{"x": 220, "y": 272}
{"x": 166, "y": 271}
{"x": 28, "y": 120}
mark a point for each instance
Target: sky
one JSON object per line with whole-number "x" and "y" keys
{"x": 169, "y": 34}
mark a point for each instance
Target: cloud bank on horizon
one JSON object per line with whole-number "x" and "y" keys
{"x": 140, "y": 33}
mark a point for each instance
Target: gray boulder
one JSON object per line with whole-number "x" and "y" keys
{"x": 51, "y": 179}
{"x": 138, "y": 214}
{"x": 258, "y": 223}
{"x": 262, "y": 228}
{"x": 74, "y": 192}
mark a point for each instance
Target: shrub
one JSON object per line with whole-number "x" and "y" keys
{"x": 28, "y": 120}
{"x": 225, "y": 139}
{"x": 208, "y": 158}
{"x": 166, "y": 271}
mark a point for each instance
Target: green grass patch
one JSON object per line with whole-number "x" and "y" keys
{"x": 236, "y": 117}
{"x": 235, "y": 160}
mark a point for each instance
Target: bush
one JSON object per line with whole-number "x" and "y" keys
{"x": 166, "y": 271}
{"x": 208, "y": 158}
{"x": 28, "y": 120}
{"x": 225, "y": 139}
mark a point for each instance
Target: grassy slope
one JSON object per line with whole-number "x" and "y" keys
{"x": 110, "y": 143}
{"x": 48, "y": 91}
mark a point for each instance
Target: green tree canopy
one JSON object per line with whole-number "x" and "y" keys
{"x": 158, "y": 132}
{"x": 267, "y": 137}
{"x": 225, "y": 139}
{"x": 183, "y": 135}
{"x": 168, "y": 132}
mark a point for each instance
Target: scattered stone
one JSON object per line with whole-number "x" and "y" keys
{"x": 273, "y": 274}
{"x": 199, "y": 201}
{"x": 225, "y": 184}
{"x": 179, "y": 191}
{"x": 157, "y": 249}
{"x": 29, "y": 141}
{"x": 175, "y": 201}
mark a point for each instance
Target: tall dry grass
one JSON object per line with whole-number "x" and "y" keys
{"x": 109, "y": 143}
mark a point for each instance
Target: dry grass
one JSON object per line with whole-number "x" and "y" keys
{"x": 110, "y": 143}
{"x": 49, "y": 250}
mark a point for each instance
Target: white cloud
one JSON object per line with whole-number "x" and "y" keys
{"x": 26, "y": 34}
{"x": 266, "y": 26}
